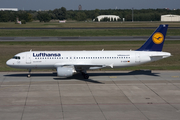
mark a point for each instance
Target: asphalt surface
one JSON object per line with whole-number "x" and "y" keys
{"x": 106, "y": 95}
{"x": 107, "y": 38}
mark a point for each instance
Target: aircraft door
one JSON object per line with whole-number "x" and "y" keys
{"x": 28, "y": 58}
{"x": 18, "y": 61}
{"x": 137, "y": 57}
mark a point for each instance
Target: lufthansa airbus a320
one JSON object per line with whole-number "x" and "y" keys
{"x": 68, "y": 63}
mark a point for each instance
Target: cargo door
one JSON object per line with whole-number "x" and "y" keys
{"x": 137, "y": 57}
{"x": 28, "y": 58}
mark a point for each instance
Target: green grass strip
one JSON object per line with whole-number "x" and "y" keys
{"x": 81, "y": 32}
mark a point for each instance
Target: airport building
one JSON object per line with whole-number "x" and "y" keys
{"x": 170, "y": 17}
{"x": 111, "y": 17}
{"x": 8, "y": 9}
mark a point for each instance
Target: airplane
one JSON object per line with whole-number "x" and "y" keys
{"x": 67, "y": 63}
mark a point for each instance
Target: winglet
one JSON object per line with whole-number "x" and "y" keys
{"x": 156, "y": 40}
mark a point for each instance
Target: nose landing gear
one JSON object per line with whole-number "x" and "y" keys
{"x": 29, "y": 75}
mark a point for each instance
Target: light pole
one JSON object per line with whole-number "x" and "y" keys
{"x": 132, "y": 14}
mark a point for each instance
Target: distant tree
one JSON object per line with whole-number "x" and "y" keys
{"x": 63, "y": 13}
{"x": 52, "y": 15}
{"x": 3, "y": 17}
{"x": 23, "y": 15}
{"x": 43, "y": 16}
{"x": 81, "y": 16}
{"x": 71, "y": 15}
{"x": 23, "y": 22}
{"x": 60, "y": 13}
{"x": 30, "y": 18}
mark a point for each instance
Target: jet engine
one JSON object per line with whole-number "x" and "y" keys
{"x": 65, "y": 71}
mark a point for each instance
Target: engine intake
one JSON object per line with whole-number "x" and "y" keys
{"x": 65, "y": 71}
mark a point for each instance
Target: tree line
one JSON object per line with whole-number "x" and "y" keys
{"x": 85, "y": 15}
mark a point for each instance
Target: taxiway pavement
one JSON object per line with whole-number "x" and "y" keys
{"x": 106, "y": 95}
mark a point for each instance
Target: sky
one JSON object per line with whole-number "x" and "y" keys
{"x": 89, "y": 4}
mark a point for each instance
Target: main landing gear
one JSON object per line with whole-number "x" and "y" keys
{"x": 85, "y": 75}
{"x": 29, "y": 75}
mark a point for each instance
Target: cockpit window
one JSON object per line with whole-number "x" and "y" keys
{"x": 16, "y": 57}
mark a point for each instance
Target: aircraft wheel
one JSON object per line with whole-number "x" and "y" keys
{"x": 28, "y": 76}
{"x": 86, "y": 76}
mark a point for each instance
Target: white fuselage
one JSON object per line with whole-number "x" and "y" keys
{"x": 94, "y": 59}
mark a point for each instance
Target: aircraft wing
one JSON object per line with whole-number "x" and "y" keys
{"x": 80, "y": 66}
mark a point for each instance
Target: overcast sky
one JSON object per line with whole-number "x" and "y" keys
{"x": 89, "y": 4}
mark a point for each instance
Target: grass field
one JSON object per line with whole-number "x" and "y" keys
{"x": 83, "y": 32}
{"x": 72, "y": 24}
{"x": 86, "y": 32}
{"x": 9, "y": 49}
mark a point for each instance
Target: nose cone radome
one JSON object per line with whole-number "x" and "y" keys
{"x": 9, "y": 63}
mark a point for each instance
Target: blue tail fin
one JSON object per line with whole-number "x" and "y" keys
{"x": 156, "y": 40}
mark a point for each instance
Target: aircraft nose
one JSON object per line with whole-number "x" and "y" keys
{"x": 9, "y": 62}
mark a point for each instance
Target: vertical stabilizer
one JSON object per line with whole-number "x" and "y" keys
{"x": 156, "y": 40}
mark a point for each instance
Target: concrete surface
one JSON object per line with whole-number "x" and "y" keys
{"x": 106, "y": 95}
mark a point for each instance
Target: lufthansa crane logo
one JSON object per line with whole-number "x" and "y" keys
{"x": 158, "y": 38}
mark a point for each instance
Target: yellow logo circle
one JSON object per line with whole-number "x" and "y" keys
{"x": 158, "y": 38}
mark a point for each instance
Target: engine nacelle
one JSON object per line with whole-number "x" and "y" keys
{"x": 65, "y": 71}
